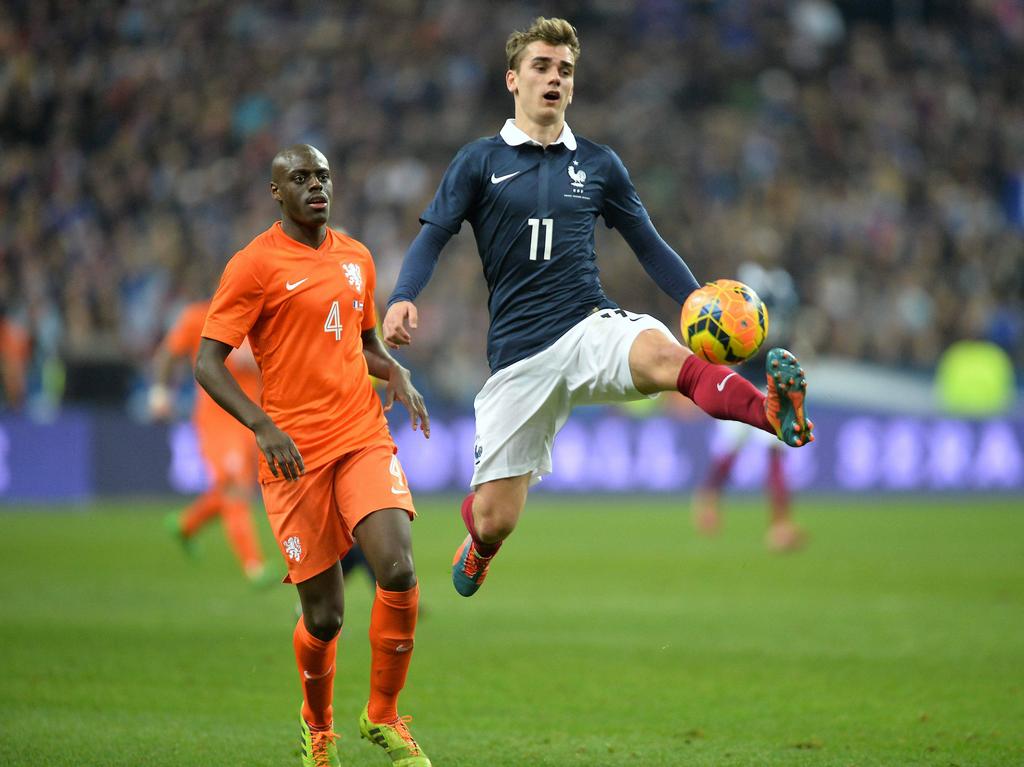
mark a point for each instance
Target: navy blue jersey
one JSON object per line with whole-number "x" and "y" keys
{"x": 533, "y": 212}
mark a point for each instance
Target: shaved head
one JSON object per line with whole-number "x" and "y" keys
{"x": 295, "y": 156}
{"x": 300, "y": 181}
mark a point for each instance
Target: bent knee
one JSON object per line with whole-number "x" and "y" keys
{"x": 495, "y": 522}
{"x": 655, "y": 361}
{"x": 497, "y": 506}
{"x": 323, "y": 621}
{"x": 398, "y": 575}
{"x": 653, "y": 349}
{"x": 494, "y": 530}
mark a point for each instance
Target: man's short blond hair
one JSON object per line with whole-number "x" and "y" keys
{"x": 550, "y": 31}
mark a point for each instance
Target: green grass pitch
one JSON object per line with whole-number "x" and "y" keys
{"x": 607, "y": 634}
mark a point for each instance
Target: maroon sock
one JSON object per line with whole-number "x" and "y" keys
{"x": 722, "y": 393}
{"x": 720, "y": 470}
{"x": 482, "y": 548}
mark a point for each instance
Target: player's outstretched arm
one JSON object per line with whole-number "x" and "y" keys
{"x": 394, "y": 327}
{"x": 417, "y": 266}
{"x": 385, "y": 367}
{"x": 213, "y": 375}
{"x": 665, "y": 267}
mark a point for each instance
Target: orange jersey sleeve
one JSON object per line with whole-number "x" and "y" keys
{"x": 183, "y": 337}
{"x": 304, "y": 311}
{"x": 183, "y": 340}
{"x": 238, "y": 301}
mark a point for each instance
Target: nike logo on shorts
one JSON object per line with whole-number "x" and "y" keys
{"x": 396, "y": 491}
{"x": 721, "y": 384}
{"x": 499, "y": 179}
{"x": 293, "y": 285}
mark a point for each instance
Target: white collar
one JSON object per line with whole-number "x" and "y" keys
{"x": 514, "y": 136}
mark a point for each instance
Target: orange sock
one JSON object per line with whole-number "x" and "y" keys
{"x": 392, "y": 625}
{"x": 316, "y": 672}
{"x": 201, "y": 511}
{"x": 241, "y": 534}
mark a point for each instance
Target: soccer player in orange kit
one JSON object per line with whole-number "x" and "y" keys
{"x": 304, "y": 295}
{"x": 227, "y": 447}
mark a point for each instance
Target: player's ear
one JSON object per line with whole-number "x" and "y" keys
{"x": 510, "y": 81}
{"x": 274, "y": 192}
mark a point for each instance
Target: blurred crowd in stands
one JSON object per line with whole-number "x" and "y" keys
{"x": 873, "y": 149}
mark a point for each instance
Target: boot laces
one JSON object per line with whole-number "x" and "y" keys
{"x": 321, "y": 741}
{"x": 402, "y": 728}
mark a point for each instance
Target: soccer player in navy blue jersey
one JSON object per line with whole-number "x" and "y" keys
{"x": 533, "y": 194}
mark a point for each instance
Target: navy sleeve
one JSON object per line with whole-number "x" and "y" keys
{"x": 419, "y": 262}
{"x": 666, "y": 268}
{"x": 622, "y": 208}
{"x": 457, "y": 192}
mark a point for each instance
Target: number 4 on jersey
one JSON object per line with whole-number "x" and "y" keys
{"x": 333, "y": 323}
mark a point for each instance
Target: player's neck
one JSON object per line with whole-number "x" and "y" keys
{"x": 542, "y": 134}
{"x": 309, "y": 235}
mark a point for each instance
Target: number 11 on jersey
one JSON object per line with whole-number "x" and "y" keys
{"x": 549, "y": 228}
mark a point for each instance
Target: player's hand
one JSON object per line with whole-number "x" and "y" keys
{"x": 159, "y": 403}
{"x": 394, "y": 330}
{"x": 282, "y": 455}
{"x": 400, "y": 388}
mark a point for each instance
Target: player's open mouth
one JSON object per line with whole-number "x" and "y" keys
{"x": 317, "y": 203}
{"x": 552, "y": 96}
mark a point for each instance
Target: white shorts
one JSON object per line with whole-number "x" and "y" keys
{"x": 522, "y": 407}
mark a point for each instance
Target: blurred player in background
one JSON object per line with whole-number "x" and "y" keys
{"x": 533, "y": 194}
{"x": 776, "y": 288}
{"x": 228, "y": 448}
{"x": 304, "y": 296}
{"x": 15, "y": 353}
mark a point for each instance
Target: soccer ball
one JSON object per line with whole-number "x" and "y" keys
{"x": 724, "y": 322}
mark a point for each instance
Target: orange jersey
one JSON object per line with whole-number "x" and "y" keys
{"x": 304, "y": 311}
{"x": 183, "y": 339}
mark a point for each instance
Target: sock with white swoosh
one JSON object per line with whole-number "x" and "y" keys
{"x": 722, "y": 393}
{"x": 315, "y": 659}
{"x": 392, "y": 626}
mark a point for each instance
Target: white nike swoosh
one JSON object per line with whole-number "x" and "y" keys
{"x": 721, "y": 384}
{"x": 293, "y": 285}
{"x": 499, "y": 179}
{"x": 403, "y": 648}
{"x": 307, "y": 675}
{"x": 399, "y": 492}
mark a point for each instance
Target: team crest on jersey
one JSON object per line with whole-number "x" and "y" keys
{"x": 579, "y": 177}
{"x": 355, "y": 276}
{"x": 293, "y": 548}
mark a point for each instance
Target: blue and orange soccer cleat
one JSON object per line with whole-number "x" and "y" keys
{"x": 469, "y": 568}
{"x": 318, "y": 749}
{"x": 784, "y": 405}
{"x": 396, "y": 740}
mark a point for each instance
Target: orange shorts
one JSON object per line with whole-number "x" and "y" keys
{"x": 231, "y": 454}
{"x": 313, "y": 517}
